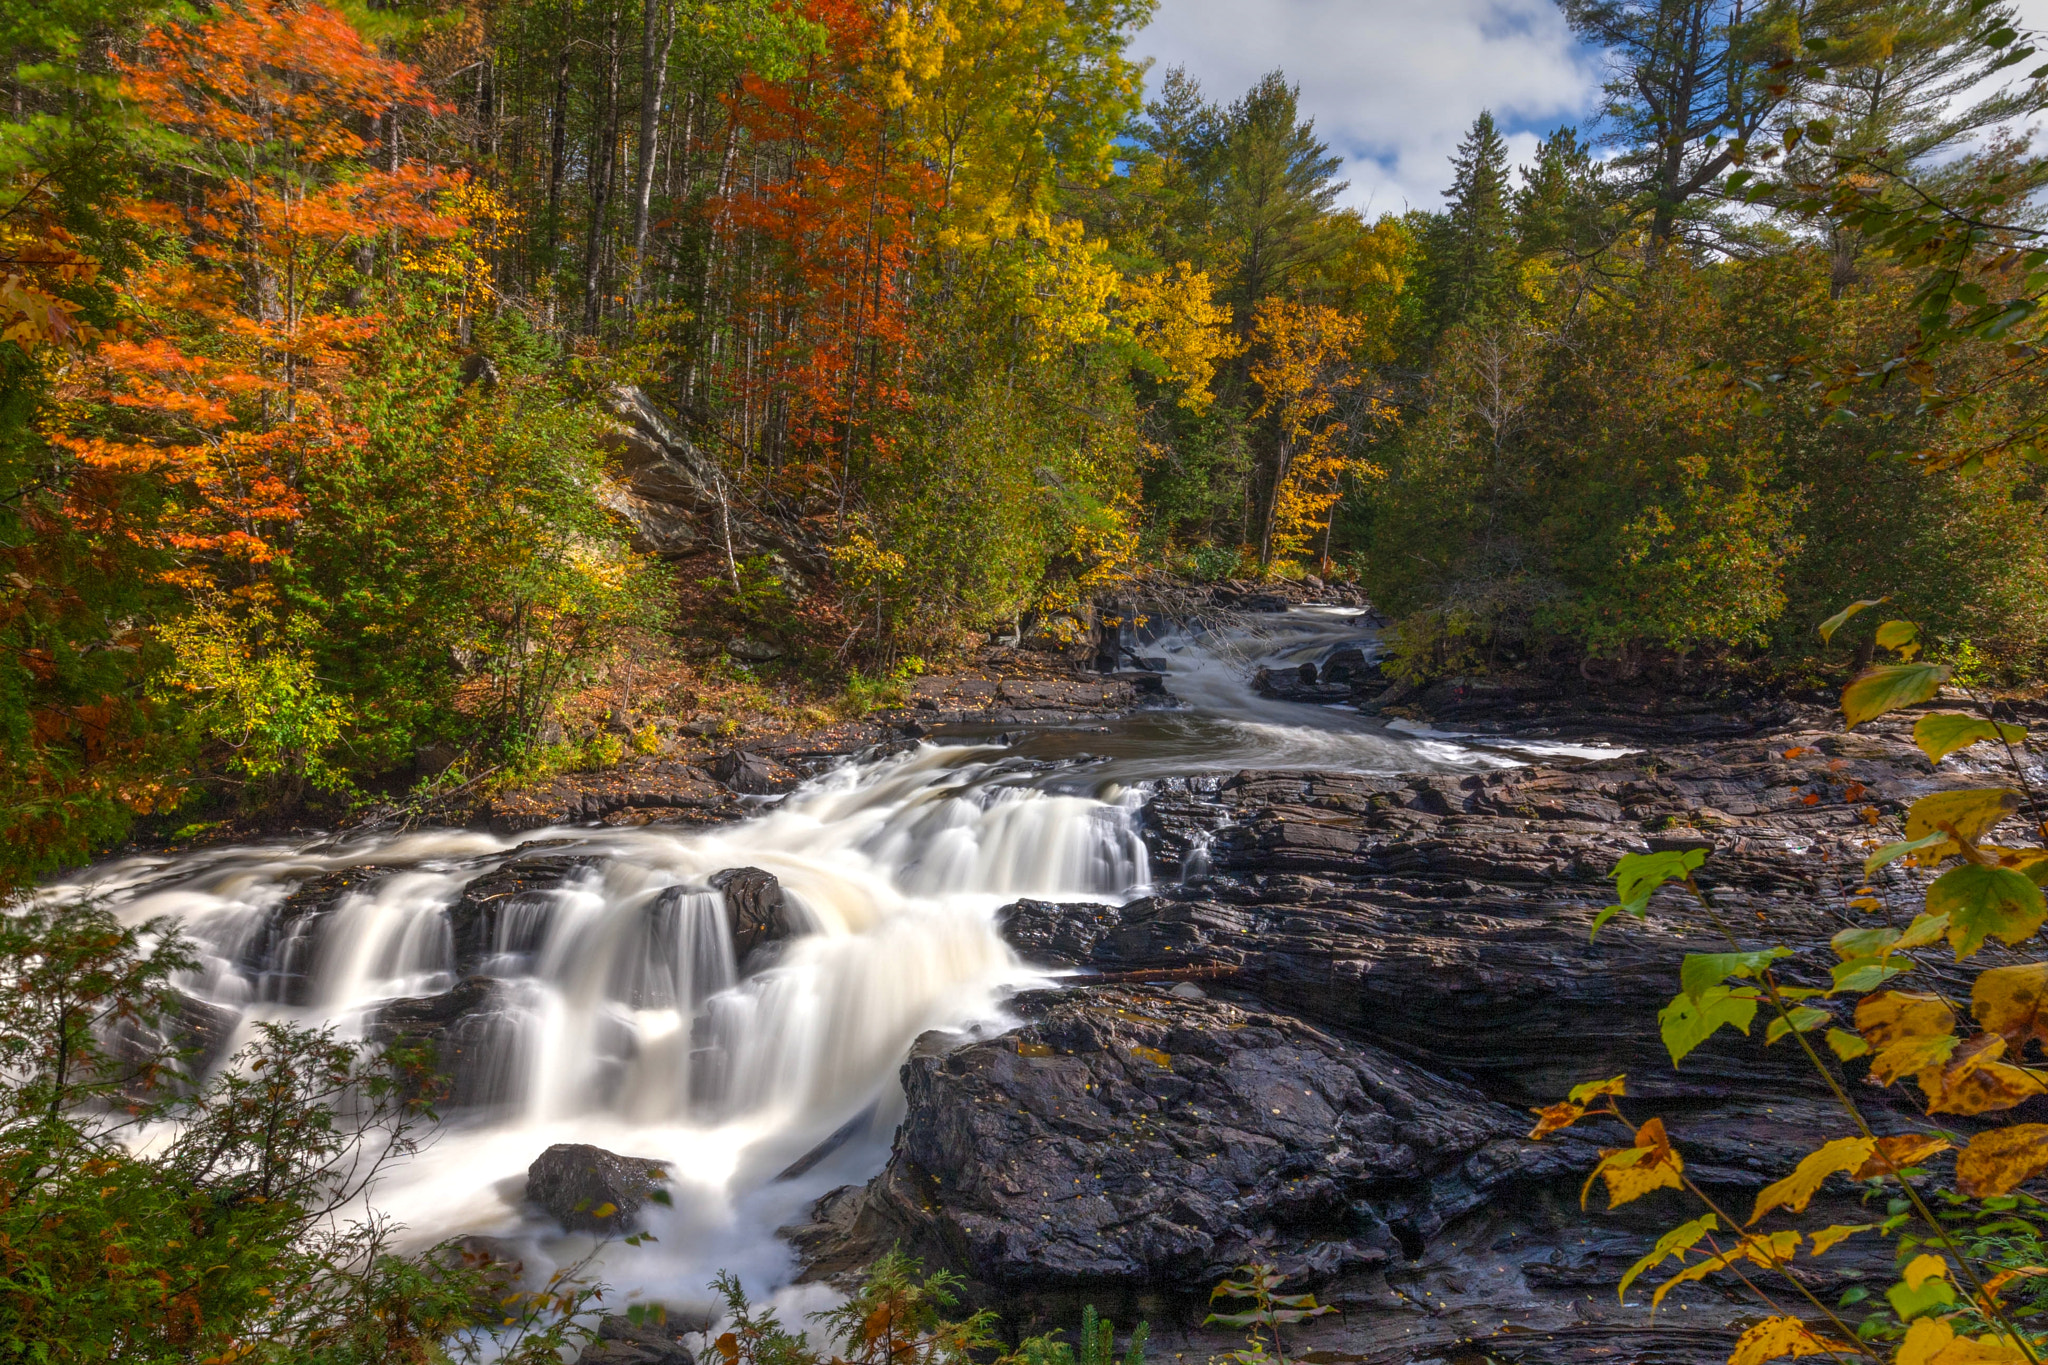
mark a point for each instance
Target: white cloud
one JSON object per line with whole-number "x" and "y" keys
{"x": 1391, "y": 84}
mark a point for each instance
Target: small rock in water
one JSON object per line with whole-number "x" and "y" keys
{"x": 752, "y": 774}
{"x": 621, "y": 1341}
{"x": 588, "y": 1189}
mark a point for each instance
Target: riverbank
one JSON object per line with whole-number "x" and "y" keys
{"x": 1319, "y": 1049}
{"x": 1294, "y": 971}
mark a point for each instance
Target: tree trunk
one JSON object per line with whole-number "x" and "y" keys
{"x": 602, "y": 172}
{"x": 657, "y": 36}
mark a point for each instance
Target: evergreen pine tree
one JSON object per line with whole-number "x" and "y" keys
{"x": 1277, "y": 183}
{"x": 1471, "y": 246}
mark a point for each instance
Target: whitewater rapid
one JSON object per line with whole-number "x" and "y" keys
{"x": 618, "y": 1014}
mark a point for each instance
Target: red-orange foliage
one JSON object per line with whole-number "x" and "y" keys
{"x": 226, "y": 382}
{"x": 824, "y": 331}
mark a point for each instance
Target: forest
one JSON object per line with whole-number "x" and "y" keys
{"x": 312, "y": 313}
{"x": 322, "y": 328}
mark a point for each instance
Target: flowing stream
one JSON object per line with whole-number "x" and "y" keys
{"x": 619, "y": 1015}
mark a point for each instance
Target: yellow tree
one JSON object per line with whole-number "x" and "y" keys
{"x": 1310, "y": 394}
{"x": 1007, "y": 98}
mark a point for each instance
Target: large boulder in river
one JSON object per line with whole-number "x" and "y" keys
{"x": 756, "y": 907}
{"x": 1143, "y": 1135}
{"x": 574, "y": 1182}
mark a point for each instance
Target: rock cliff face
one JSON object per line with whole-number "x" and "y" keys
{"x": 1318, "y": 1046}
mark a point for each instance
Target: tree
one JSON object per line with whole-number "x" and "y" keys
{"x": 227, "y": 1235}
{"x": 1301, "y": 368}
{"x": 1472, "y": 248}
{"x": 1694, "y": 83}
{"x": 1275, "y": 182}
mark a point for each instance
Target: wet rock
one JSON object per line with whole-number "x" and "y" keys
{"x": 662, "y": 484}
{"x": 756, "y": 906}
{"x": 666, "y": 786}
{"x": 470, "y": 1033}
{"x": 281, "y": 954}
{"x": 1298, "y": 685}
{"x": 1129, "y": 1135}
{"x": 506, "y": 913}
{"x": 752, "y": 774}
{"x": 621, "y": 1341}
{"x": 574, "y": 1181}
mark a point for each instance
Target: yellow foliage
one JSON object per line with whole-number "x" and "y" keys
{"x": 1796, "y": 1190}
{"x": 1651, "y": 1163}
{"x": 1775, "y": 1338}
{"x": 1065, "y": 284}
{"x": 1304, "y": 365}
{"x": 1769, "y": 1252}
{"x": 1931, "y": 1341}
{"x": 1172, "y": 316}
{"x": 1996, "y": 1162}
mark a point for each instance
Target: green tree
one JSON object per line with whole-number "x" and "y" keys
{"x": 227, "y": 1237}
{"x": 1276, "y": 180}
{"x": 1471, "y": 247}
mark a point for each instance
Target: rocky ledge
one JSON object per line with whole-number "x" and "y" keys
{"x": 1317, "y": 1043}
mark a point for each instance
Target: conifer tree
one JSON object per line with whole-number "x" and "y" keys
{"x": 1472, "y": 247}
{"x": 1278, "y": 180}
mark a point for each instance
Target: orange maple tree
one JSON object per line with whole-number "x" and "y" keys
{"x": 825, "y": 329}
{"x": 271, "y": 215}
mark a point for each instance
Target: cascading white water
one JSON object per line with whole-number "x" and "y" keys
{"x": 617, "y": 1013}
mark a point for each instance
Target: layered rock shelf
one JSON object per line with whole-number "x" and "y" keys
{"x": 1316, "y": 1045}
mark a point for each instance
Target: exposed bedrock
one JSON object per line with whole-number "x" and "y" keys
{"x": 1354, "y": 999}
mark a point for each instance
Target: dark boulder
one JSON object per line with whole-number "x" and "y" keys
{"x": 621, "y": 1341}
{"x": 507, "y": 912}
{"x": 756, "y": 907}
{"x": 280, "y": 956}
{"x": 1140, "y": 1135}
{"x": 753, "y": 774}
{"x": 573, "y": 1181}
{"x": 470, "y": 1031}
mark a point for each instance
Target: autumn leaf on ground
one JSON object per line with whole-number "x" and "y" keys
{"x": 1997, "y": 1162}
{"x": 1776, "y": 1338}
{"x": 1944, "y": 732}
{"x": 1632, "y": 1172}
{"x": 1796, "y": 1190}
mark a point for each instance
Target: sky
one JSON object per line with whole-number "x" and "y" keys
{"x": 1393, "y": 84}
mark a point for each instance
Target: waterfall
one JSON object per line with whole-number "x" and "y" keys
{"x": 614, "y": 1008}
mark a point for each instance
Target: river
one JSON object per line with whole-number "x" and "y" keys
{"x": 620, "y": 1016}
